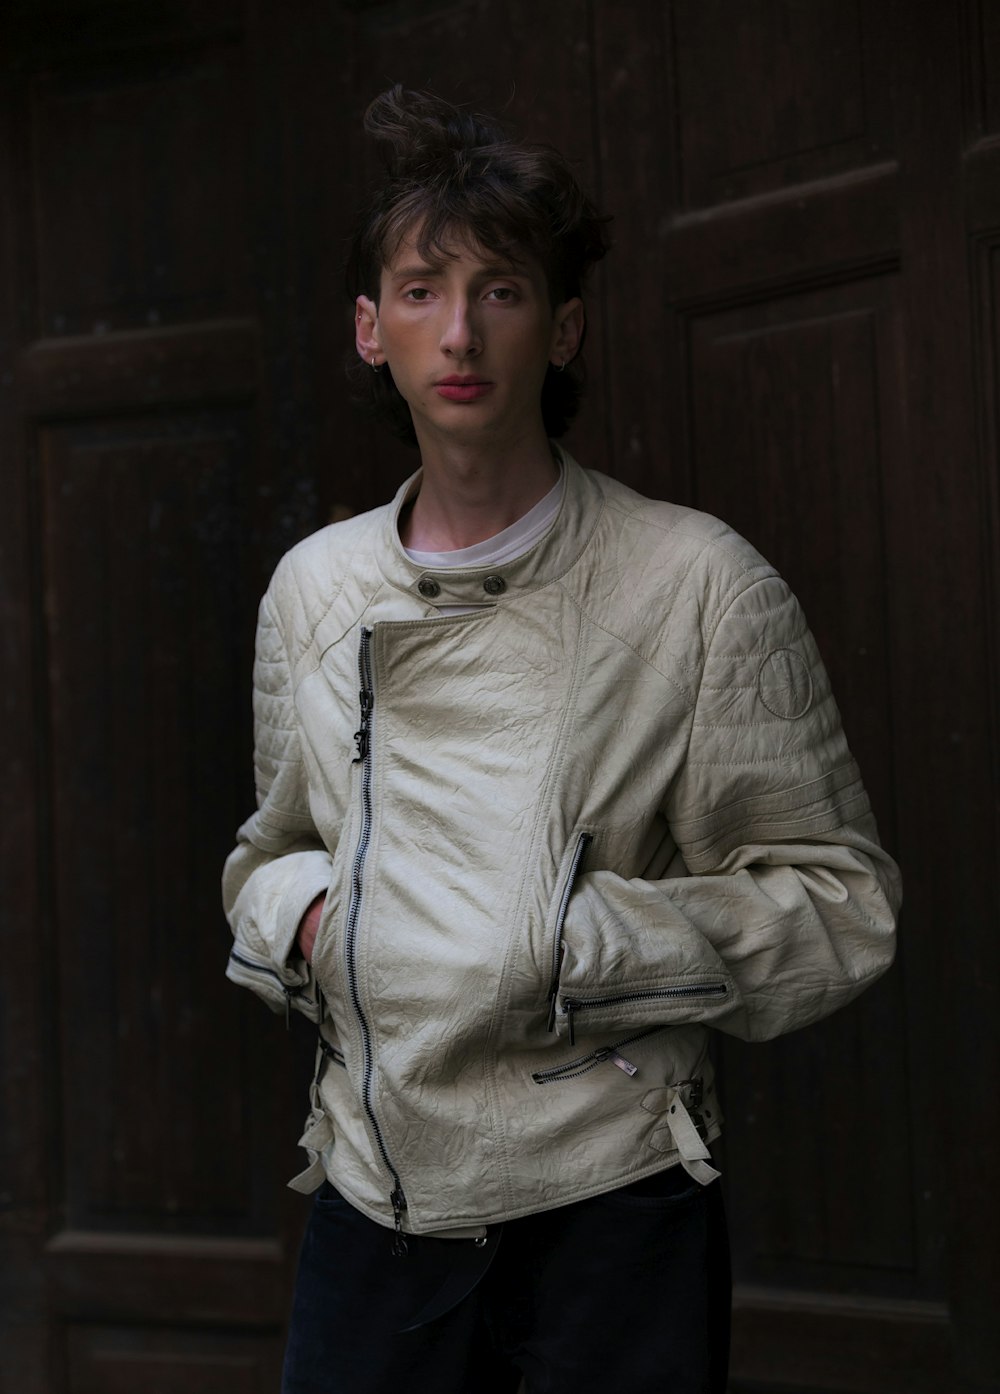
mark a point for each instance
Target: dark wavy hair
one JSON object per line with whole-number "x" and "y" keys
{"x": 457, "y": 175}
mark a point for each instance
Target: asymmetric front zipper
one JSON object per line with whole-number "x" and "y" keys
{"x": 582, "y": 843}
{"x": 362, "y": 738}
{"x": 572, "y": 1005}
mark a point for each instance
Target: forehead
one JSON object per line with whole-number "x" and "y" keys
{"x": 457, "y": 247}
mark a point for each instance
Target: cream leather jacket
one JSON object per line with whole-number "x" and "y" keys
{"x": 559, "y": 838}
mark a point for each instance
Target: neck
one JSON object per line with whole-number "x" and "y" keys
{"x": 470, "y": 493}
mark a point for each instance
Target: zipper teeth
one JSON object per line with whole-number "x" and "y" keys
{"x": 261, "y": 968}
{"x": 585, "y": 1063}
{"x": 583, "y": 842}
{"x": 354, "y": 908}
{"x": 647, "y": 994}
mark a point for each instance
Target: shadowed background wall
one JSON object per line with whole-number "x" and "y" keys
{"x": 796, "y": 330}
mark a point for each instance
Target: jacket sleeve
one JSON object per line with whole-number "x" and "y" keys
{"x": 785, "y": 906}
{"x": 279, "y": 865}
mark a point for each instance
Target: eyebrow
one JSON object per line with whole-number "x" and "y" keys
{"x": 436, "y": 267}
{"x": 417, "y": 268}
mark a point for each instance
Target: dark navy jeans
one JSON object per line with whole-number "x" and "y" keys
{"x": 627, "y": 1293}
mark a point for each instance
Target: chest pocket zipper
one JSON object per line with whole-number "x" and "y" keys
{"x": 572, "y": 1006}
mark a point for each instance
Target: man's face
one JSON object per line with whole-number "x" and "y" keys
{"x": 468, "y": 338}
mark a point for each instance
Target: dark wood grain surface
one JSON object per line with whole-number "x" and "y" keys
{"x": 797, "y": 330}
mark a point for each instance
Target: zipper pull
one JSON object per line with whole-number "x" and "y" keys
{"x": 288, "y": 1008}
{"x": 608, "y": 1053}
{"x": 569, "y": 1007}
{"x": 623, "y": 1064}
{"x": 400, "y": 1248}
{"x": 554, "y": 989}
{"x": 366, "y": 703}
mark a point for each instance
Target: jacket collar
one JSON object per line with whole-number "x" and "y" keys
{"x": 552, "y": 555}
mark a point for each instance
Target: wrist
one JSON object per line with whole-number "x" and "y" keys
{"x": 305, "y": 937}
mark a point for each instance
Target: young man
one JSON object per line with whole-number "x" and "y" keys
{"x": 550, "y": 780}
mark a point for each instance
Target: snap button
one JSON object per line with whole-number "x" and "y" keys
{"x": 494, "y": 585}
{"x": 428, "y": 587}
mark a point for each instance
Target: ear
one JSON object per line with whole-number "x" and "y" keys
{"x": 366, "y": 335}
{"x": 567, "y": 332}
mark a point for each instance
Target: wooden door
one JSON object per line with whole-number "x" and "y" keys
{"x": 164, "y": 309}
{"x": 796, "y": 330}
{"x": 804, "y": 186}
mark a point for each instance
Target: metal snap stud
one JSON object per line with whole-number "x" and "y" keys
{"x": 428, "y": 587}
{"x": 494, "y": 585}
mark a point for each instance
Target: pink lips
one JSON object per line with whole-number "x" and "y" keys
{"x": 459, "y": 389}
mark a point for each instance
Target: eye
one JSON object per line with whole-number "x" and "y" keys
{"x": 501, "y": 294}
{"x": 417, "y": 294}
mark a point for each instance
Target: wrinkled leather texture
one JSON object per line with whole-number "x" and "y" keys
{"x": 645, "y": 682}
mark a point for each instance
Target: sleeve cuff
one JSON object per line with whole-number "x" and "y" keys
{"x": 312, "y": 879}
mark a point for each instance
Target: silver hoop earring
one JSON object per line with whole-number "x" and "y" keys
{"x": 376, "y": 367}
{"x": 562, "y": 365}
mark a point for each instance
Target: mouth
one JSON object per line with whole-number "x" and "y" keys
{"x": 462, "y": 389}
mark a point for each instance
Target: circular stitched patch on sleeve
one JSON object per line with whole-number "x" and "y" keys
{"x": 784, "y": 684}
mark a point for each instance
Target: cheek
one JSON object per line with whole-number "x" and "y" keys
{"x": 531, "y": 353}
{"x": 403, "y": 341}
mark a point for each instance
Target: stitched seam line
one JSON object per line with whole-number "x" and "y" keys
{"x": 585, "y": 615}
{"x": 842, "y": 777}
{"x": 679, "y": 528}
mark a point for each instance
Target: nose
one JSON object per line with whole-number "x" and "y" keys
{"x": 460, "y": 336}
